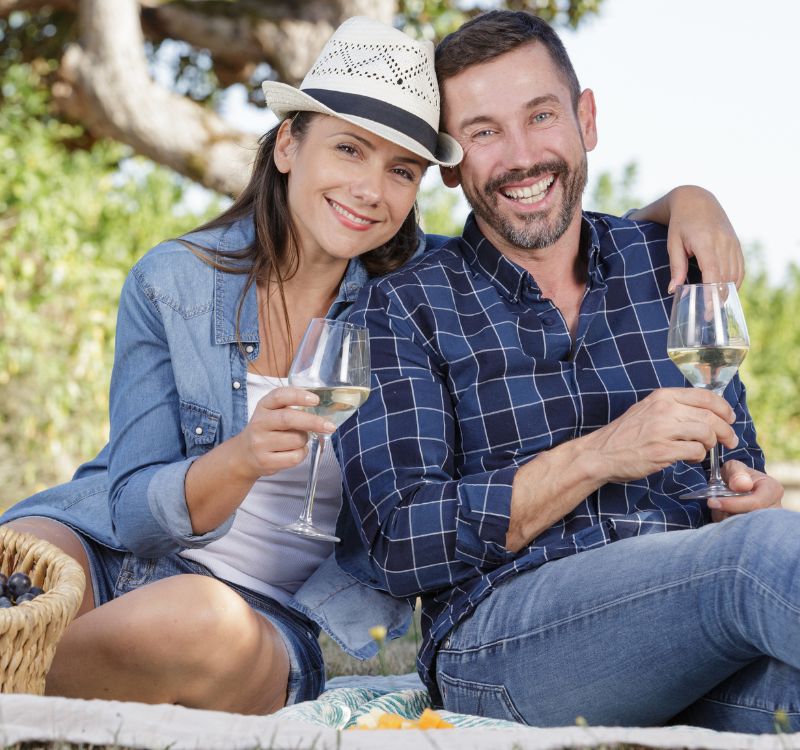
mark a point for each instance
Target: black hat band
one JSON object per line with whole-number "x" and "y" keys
{"x": 378, "y": 111}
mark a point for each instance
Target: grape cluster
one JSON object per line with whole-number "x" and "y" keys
{"x": 17, "y": 589}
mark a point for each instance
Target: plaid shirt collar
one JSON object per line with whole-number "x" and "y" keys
{"x": 510, "y": 279}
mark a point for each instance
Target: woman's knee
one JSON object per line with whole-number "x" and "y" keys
{"x": 62, "y": 536}
{"x": 213, "y": 637}
{"x": 206, "y": 607}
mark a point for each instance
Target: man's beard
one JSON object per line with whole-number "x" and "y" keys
{"x": 537, "y": 232}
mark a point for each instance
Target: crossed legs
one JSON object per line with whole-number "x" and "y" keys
{"x": 706, "y": 621}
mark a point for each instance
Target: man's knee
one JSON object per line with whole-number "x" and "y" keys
{"x": 762, "y": 540}
{"x": 764, "y": 526}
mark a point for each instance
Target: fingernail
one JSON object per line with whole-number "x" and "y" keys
{"x": 330, "y": 426}
{"x": 715, "y": 504}
{"x": 671, "y": 287}
{"x": 311, "y": 398}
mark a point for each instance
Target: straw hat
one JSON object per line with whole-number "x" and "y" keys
{"x": 377, "y": 78}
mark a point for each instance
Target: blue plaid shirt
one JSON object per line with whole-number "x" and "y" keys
{"x": 475, "y": 373}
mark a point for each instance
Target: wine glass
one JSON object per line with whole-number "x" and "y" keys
{"x": 332, "y": 361}
{"x": 708, "y": 341}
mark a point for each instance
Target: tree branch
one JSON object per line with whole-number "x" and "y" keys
{"x": 285, "y": 34}
{"x": 104, "y": 84}
{"x": 7, "y": 7}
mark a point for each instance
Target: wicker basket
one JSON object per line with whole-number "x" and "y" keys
{"x": 30, "y": 631}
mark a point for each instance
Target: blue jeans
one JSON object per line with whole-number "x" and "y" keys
{"x": 698, "y": 627}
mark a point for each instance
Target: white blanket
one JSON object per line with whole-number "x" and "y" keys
{"x": 26, "y": 718}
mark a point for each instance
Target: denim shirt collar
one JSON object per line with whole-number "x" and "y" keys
{"x": 228, "y": 287}
{"x": 509, "y": 278}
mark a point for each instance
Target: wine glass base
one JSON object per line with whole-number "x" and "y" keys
{"x": 306, "y": 529}
{"x": 711, "y": 491}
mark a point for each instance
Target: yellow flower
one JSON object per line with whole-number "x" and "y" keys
{"x": 782, "y": 725}
{"x": 378, "y": 633}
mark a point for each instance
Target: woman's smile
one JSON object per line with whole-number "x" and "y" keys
{"x": 350, "y": 218}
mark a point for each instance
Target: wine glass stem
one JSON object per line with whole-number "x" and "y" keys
{"x": 316, "y": 446}
{"x": 715, "y": 478}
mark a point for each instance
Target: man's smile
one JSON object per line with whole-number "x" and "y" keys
{"x": 529, "y": 194}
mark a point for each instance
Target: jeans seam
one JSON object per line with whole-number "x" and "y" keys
{"x": 747, "y": 706}
{"x": 500, "y": 690}
{"x": 774, "y": 594}
{"x": 616, "y": 602}
{"x": 81, "y": 496}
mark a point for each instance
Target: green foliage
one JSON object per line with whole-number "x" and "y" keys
{"x": 615, "y": 195}
{"x": 37, "y": 35}
{"x": 442, "y": 210}
{"x": 434, "y": 19}
{"x": 71, "y": 225}
{"x": 45, "y": 33}
{"x": 771, "y": 371}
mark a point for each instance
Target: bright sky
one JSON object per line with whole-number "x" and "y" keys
{"x": 694, "y": 91}
{"x": 704, "y": 92}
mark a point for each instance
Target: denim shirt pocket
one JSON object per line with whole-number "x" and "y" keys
{"x": 199, "y": 425}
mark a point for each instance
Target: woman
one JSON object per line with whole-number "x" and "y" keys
{"x": 193, "y": 597}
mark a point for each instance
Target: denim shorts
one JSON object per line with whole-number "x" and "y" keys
{"x": 114, "y": 573}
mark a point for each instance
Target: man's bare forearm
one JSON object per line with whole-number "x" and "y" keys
{"x": 547, "y": 488}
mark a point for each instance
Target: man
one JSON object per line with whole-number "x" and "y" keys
{"x": 527, "y": 439}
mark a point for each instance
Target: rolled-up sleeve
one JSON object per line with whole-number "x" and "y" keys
{"x": 426, "y": 527}
{"x": 147, "y": 461}
{"x": 748, "y": 450}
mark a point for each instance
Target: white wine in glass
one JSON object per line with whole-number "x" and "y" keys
{"x": 333, "y": 362}
{"x": 338, "y": 403}
{"x": 708, "y": 341}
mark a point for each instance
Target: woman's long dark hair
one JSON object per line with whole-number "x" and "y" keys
{"x": 274, "y": 255}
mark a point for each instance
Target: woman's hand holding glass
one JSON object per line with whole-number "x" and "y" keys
{"x": 332, "y": 362}
{"x": 276, "y": 437}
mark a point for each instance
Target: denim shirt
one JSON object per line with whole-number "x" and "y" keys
{"x": 178, "y": 388}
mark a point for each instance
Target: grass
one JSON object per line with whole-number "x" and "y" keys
{"x": 399, "y": 655}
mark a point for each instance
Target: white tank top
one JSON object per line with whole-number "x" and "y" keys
{"x": 255, "y": 554}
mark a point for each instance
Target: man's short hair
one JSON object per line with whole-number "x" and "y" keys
{"x": 492, "y": 34}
